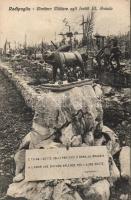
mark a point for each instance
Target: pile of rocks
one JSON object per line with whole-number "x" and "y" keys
{"x": 116, "y": 104}
{"x": 35, "y": 70}
{"x": 68, "y": 119}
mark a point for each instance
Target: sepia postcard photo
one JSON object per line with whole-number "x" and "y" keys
{"x": 65, "y": 104}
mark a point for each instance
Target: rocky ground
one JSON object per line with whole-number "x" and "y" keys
{"x": 117, "y": 115}
{"x": 16, "y": 121}
{"x": 117, "y": 111}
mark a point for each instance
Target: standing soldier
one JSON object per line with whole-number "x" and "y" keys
{"x": 115, "y": 54}
{"x": 104, "y": 54}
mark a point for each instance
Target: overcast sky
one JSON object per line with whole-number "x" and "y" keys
{"x": 44, "y": 24}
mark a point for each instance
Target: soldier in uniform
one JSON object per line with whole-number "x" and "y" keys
{"x": 104, "y": 54}
{"x": 115, "y": 54}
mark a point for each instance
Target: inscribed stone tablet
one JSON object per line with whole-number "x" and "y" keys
{"x": 59, "y": 163}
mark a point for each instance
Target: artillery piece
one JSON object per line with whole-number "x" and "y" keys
{"x": 70, "y": 64}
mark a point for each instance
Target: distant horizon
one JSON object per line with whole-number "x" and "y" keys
{"x": 17, "y": 44}
{"x": 46, "y": 25}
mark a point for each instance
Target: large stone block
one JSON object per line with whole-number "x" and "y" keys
{"x": 99, "y": 191}
{"x": 30, "y": 190}
{"x": 125, "y": 162}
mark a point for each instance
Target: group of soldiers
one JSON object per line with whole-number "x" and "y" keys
{"x": 109, "y": 53}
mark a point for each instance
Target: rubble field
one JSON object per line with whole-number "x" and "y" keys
{"x": 105, "y": 105}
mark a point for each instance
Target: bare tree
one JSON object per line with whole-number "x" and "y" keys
{"x": 89, "y": 27}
